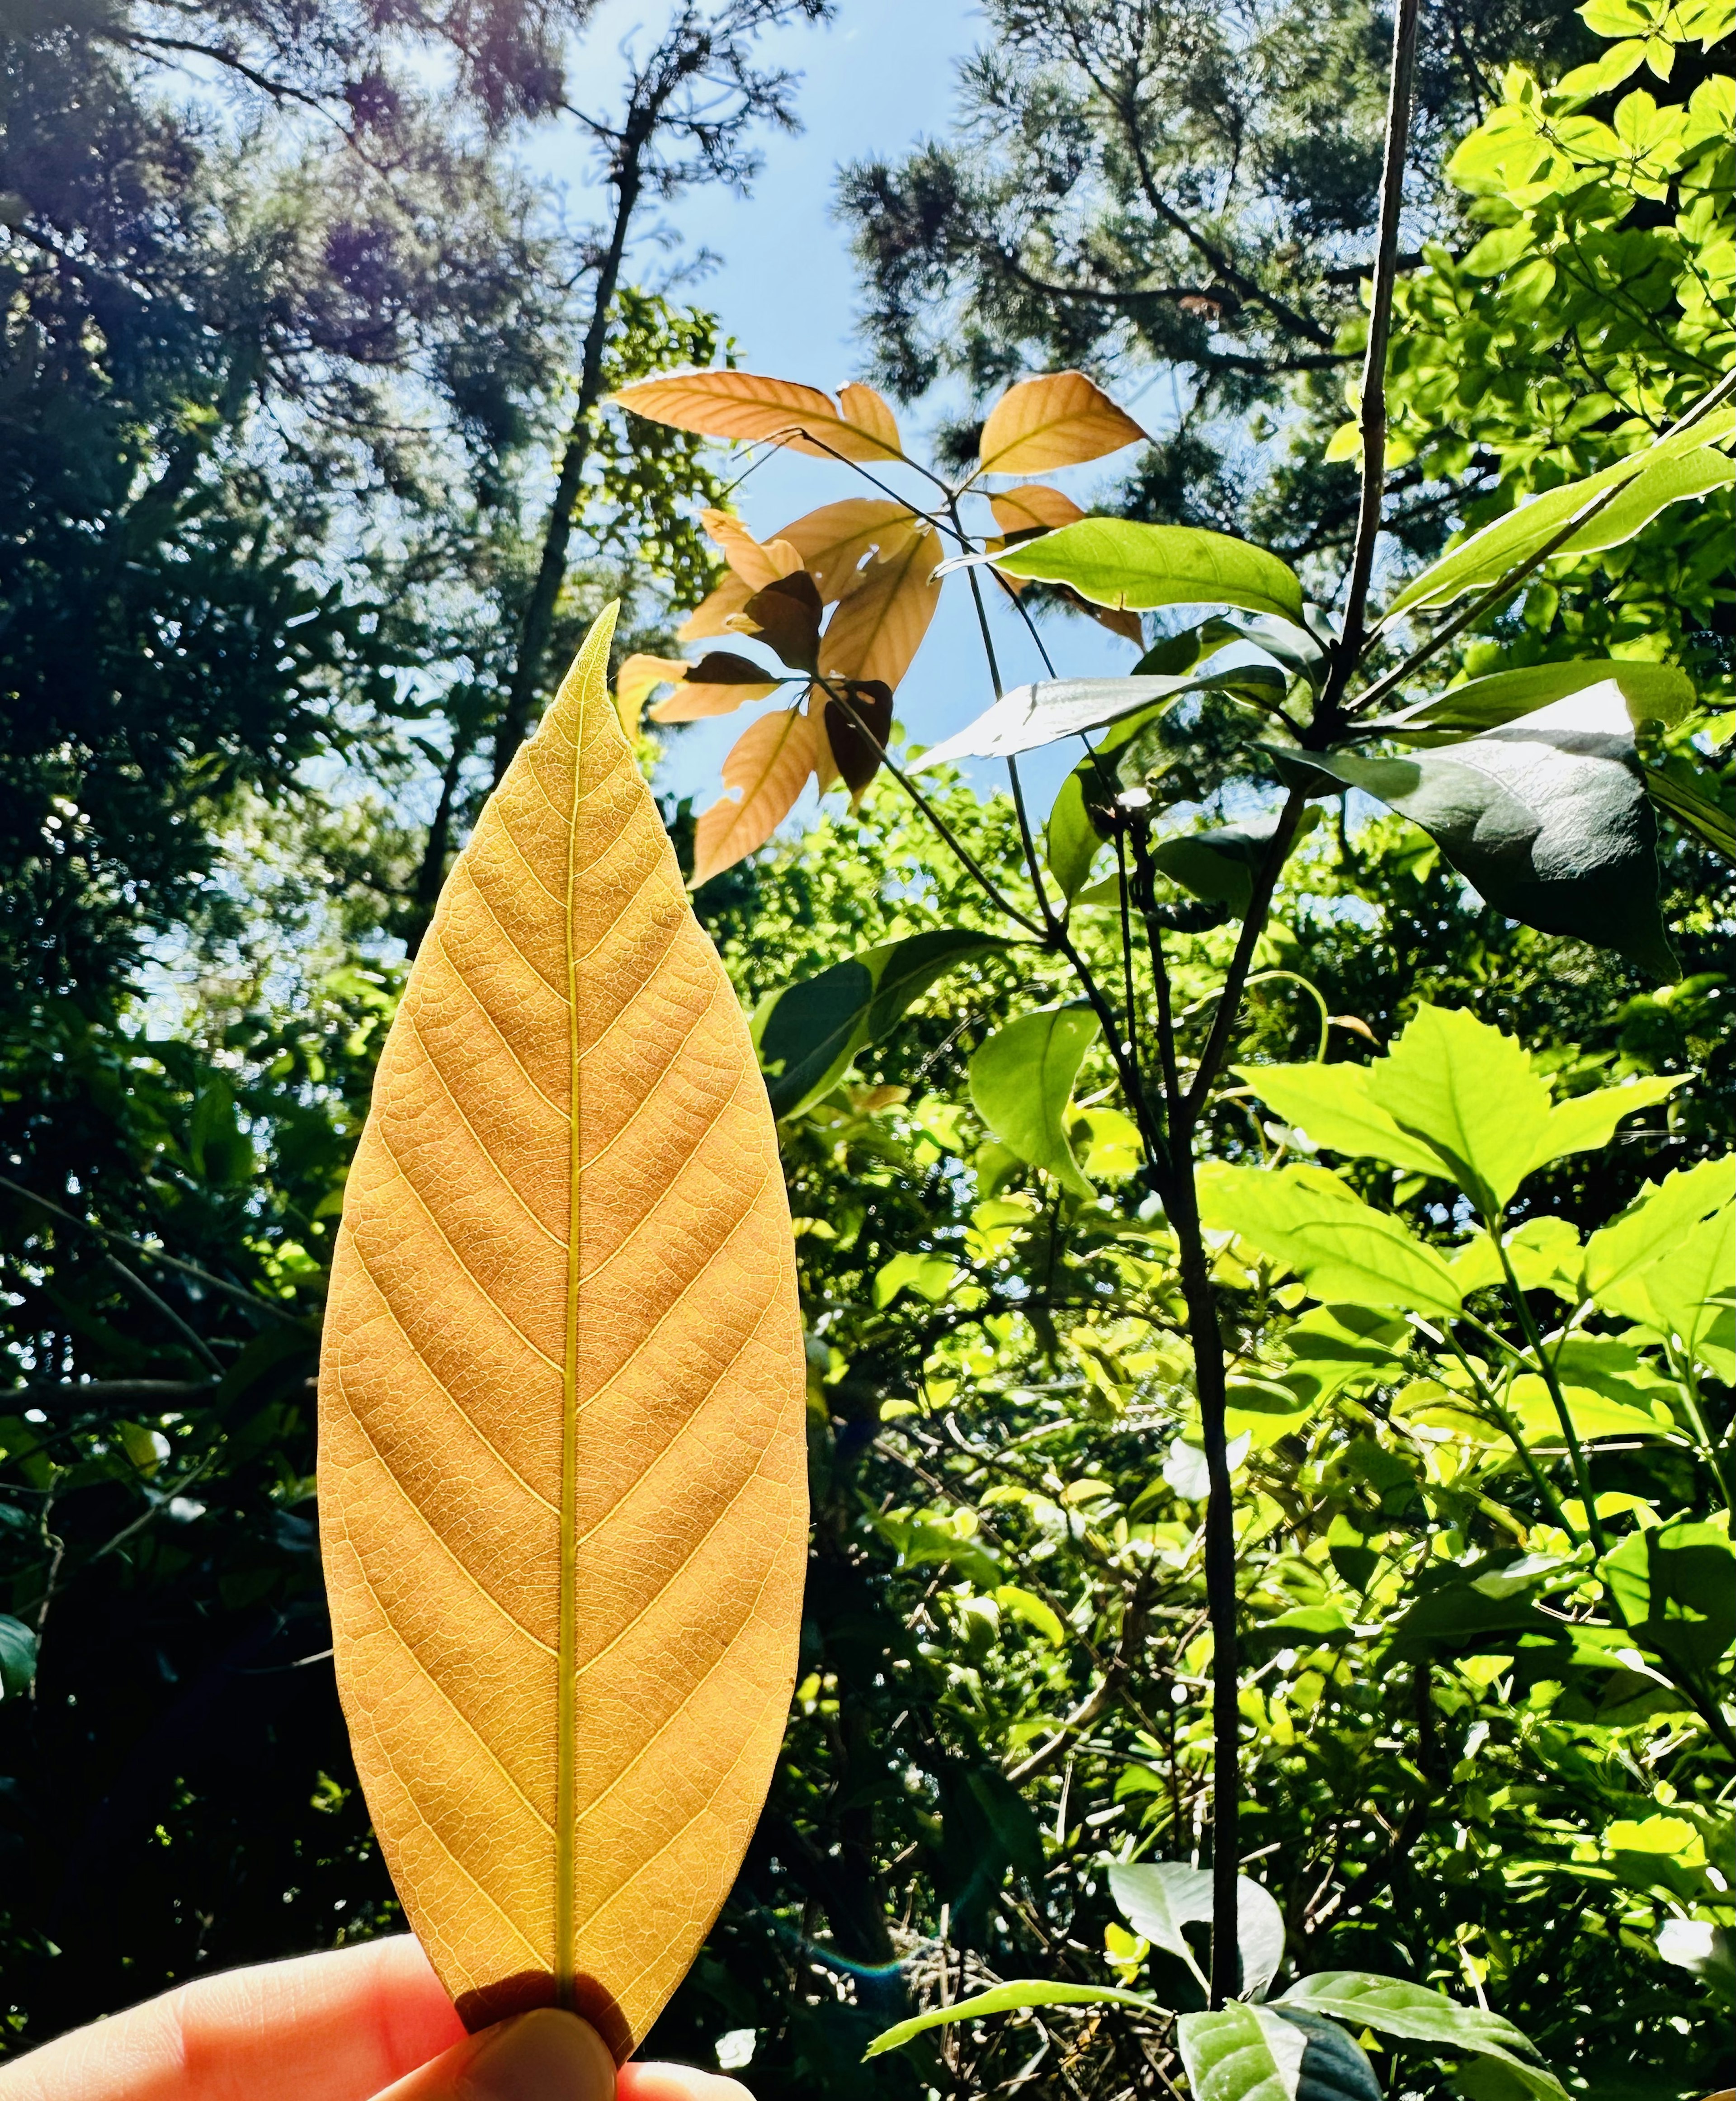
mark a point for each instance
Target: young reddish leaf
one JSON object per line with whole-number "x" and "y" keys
{"x": 856, "y": 758}
{"x": 756, "y": 563}
{"x": 785, "y": 615}
{"x": 1032, "y": 507}
{"x": 770, "y": 764}
{"x": 833, "y": 543}
{"x": 750, "y": 409}
{"x": 1056, "y": 421}
{"x": 639, "y": 675}
{"x": 879, "y": 626}
{"x": 719, "y": 683}
{"x": 562, "y": 1473}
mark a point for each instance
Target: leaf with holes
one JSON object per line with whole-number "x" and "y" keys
{"x": 719, "y": 683}
{"x": 562, "y": 1480}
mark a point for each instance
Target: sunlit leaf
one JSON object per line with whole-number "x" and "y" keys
{"x": 1692, "y": 799}
{"x": 1241, "y": 2054}
{"x": 1058, "y": 420}
{"x": 1022, "y": 1081}
{"x": 1675, "y": 468}
{"x": 1676, "y": 1585}
{"x": 1546, "y": 817}
{"x": 639, "y": 675}
{"x": 868, "y": 411}
{"x": 1008, "y": 1999}
{"x": 1619, "y": 1256}
{"x": 769, "y": 764}
{"x": 879, "y": 625}
{"x": 1419, "y": 2014}
{"x": 1653, "y": 693}
{"x": 750, "y": 409}
{"x": 718, "y": 684}
{"x": 562, "y": 1480}
{"x": 1159, "y": 1898}
{"x": 1586, "y": 1123}
{"x": 807, "y": 1034}
{"x": 755, "y": 564}
{"x": 1331, "y": 1106}
{"x": 1027, "y": 1606}
{"x": 1114, "y": 562}
{"x": 1029, "y": 716}
{"x": 1310, "y": 1221}
{"x": 1470, "y": 1093}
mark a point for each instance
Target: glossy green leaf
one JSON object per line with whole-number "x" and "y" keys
{"x": 1007, "y": 1999}
{"x": 1334, "y": 2067}
{"x": 1676, "y": 467}
{"x": 17, "y": 1657}
{"x": 1026, "y": 1605}
{"x": 1159, "y": 1897}
{"x": 1653, "y": 693}
{"x": 1021, "y": 1081}
{"x": 1114, "y": 562}
{"x": 1619, "y": 1256}
{"x": 1675, "y": 1585}
{"x": 1547, "y": 818}
{"x": 1241, "y": 2054}
{"x": 1340, "y": 1247}
{"x": 807, "y": 1034}
{"x": 1421, "y": 2014}
{"x": 1691, "y": 798}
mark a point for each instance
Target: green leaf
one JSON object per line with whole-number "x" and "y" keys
{"x": 1021, "y": 1081}
{"x": 18, "y": 1646}
{"x": 807, "y": 1034}
{"x": 1006, "y": 1999}
{"x": 1241, "y": 2054}
{"x": 1334, "y": 2066}
{"x": 1704, "y": 1950}
{"x": 1114, "y": 562}
{"x": 1220, "y": 864}
{"x": 1586, "y": 1123}
{"x": 1027, "y": 717}
{"x": 1653, "y": 693}
{"x": 1159, "y": 1897}
{"x": 1421, "y": 2014}
{"x": 1618, "y": 1257}
{"x": 1331, "y": 1105}
{"x": 1690, "y": 798}
{"x": 1470, "y": 1093}
{"x": 1676, "y": 467}
{"x": 1340, "y": 1247}
{"x": 1687, "y": 1291}
{"x": 1675, "y": 1586}
{"x": 1549, "y": 818}
{"x": 1027, "y": 1606}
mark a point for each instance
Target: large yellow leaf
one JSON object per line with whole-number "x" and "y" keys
{"x": 750, "y": 408}
{"x": 1056, "y": 421}
{"x": 562, "y": 1492}
{"x": 769, "y": 762}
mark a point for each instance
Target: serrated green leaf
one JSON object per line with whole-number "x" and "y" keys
{"x": 1619, "y": 1256}
{"x": 1471, "y": 1094}
{"x": 1340, "y": 1247}
{"x": 1331, "y": 1106}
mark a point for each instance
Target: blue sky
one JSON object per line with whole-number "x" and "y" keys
{"x": 878, "y": 81}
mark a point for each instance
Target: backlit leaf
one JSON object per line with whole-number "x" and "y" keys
{"x": 1027, "y": 717}
{"x": 879, "y": 625}
{"x": 1653, "y": 693}
{"x": 1057, "y": 421}
{"x": 1340, "y": 1247}
{"x": 1588, "y": 1122}
{"x": 639, "y": 675}
{"x": 1022, "y": 1081}
{"x": 1619, "y": 1255}
{"x": 562, "y": 1483}
{"x": 1676, "y": 467}
{"x": 1331, "y": 1104}
{"x": 769, "y": 764}
{"x": 719, "y": 683}
{"x": 1007, "y": 1999}
{"x": 1470, "y": 1093}
{"x": 750, "y": 409}
{"x": 868, "y": 411}
{"x": 755, "y": 564}
{"x": 1113, "y": 562}
{"x": 1033, "y": 507}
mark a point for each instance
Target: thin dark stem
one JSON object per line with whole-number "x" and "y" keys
{"x": 1546, "y": 1365}
{"x": 195, "y": 1341}
{"x": 1373, "y": 369}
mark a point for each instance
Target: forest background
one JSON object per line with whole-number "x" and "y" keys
{"x": 311, "y": 485}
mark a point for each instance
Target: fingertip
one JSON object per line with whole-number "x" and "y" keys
{"x": 677, "y": 2082}
{"x": 542, "y": 2055}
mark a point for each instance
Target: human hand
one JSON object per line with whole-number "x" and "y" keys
{"x": 365, "y": 2024}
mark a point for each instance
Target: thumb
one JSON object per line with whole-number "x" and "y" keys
{"x": 544, "y": 2055}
